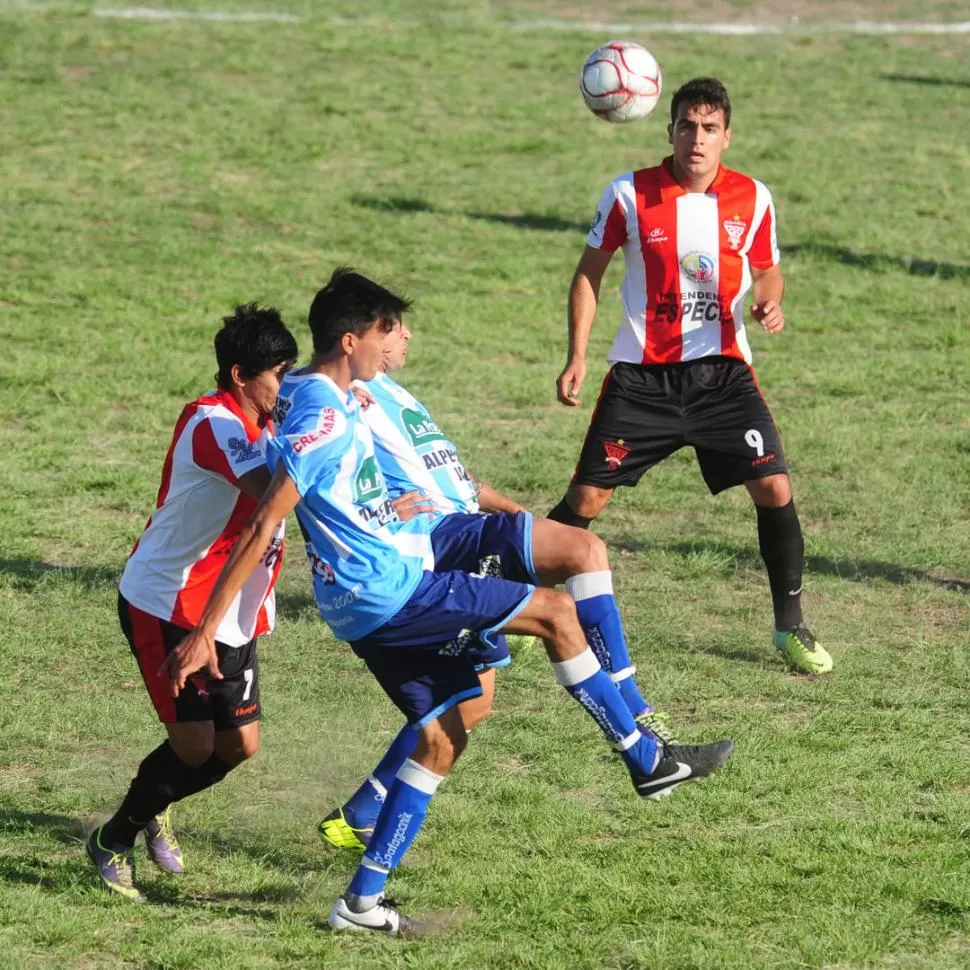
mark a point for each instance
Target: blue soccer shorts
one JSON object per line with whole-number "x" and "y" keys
{"x": 490, "y": 545}
{"x": 498, "y": 545}
{"x": 423, "y": 656}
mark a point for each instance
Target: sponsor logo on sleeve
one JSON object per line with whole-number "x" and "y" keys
{"x": 330, "y": 425}
{"x": 243, "y": 450}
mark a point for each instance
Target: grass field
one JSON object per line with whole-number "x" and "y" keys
{"x": 154, "y": 174}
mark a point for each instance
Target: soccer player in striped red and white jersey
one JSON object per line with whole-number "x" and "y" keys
{"x": 212, "y": 479}
{"x": 696, "y": 238}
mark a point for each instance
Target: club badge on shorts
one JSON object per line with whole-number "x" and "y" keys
{"x": 616, "y": 451}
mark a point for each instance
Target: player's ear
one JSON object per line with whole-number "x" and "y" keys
{"x": 236, "y": 374}
{"x": 670, "y": 134}
{"x": 348, "y": 341}
{"x": 727, "y": 137}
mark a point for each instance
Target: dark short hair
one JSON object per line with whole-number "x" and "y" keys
{"x": 351, "y": 303}
{"x": 707, "y": 91}
{"x": 255, "y": 339}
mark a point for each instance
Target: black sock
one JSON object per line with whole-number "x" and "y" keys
{"x": 163, "y": 777}
{"x": 563, "y": 513}
{"x": 783, "y": 551}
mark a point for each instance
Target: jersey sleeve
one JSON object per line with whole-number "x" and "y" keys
{"x": 764, "y": 252}
{"x": 608, "y": 231}
{"x": 220, "y": 445}
{"x": 310, "y": 443}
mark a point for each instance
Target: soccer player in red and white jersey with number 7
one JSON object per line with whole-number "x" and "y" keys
{"x": 696, "y": 237}
{"x": 212, "y": 479}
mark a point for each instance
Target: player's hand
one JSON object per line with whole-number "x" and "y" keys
{"x": 769, "y": 315}
{"x": 411, "y": 504}
{"x": 189, "y": 657}
{"x": 569, "y": 383}
{"x": 364, "y": 397}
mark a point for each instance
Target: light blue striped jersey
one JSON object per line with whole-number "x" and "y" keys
{"x": 365, "y": 561}
{"x": 413, "y": 451}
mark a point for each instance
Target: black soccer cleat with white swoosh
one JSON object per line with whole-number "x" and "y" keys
{"x": 680, "y": 763}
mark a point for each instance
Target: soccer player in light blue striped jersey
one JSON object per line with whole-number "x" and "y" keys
{"x": 422, "y": 469}
{"x": 409, "y": 624}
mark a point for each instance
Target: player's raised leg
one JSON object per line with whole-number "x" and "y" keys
{"x": 579, "y": 559}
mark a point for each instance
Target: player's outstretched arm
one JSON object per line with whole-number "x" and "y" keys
{"x": 768, "y": 290}
{"x": 583, "y": 299}
{"x": 198, "y": 649}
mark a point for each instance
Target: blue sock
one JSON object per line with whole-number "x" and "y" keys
{"x": 363, "y": 807}
{"x": 589, "y": 684}
{"x": 397, "y": 826}
{"x": 599, "y": 617}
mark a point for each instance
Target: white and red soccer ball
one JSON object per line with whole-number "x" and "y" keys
{"x": 621, "y": 81}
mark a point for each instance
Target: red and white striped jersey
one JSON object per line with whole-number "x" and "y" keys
{"x": 688, "y": 261}
{"x": 197, "y": 520}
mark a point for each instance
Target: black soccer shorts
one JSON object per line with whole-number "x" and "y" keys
{"x": 228, "y": 703}
{"x": 646, "y": 412}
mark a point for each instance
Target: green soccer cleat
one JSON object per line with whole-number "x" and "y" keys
{"x": 115, "y": 867}
{"x": 656, "y": 723}
{"x": 800, "y": 649}
{"x": 336, "y": 830}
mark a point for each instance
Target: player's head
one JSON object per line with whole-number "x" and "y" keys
{"x": 254, "y": 350}
{"x": 397, "y": 355}
{"x": 700, "y": 126}
{"x": 356, "y": 318}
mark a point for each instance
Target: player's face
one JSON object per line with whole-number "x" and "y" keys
{"x": 698, "y": 136}
{"x": 261, "y": 391}
{"x": 370, "y": 349}
{"x": 397, "y": 356}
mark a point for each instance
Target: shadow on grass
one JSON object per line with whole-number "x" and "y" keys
{"x": 853, "y": 570}
{"x": 61, "y": 828}
{"x": 930, "y": 81}
{"x": 528, "y": 220}
{"x": 880, "y": 262}
{"x": 28, "y": 574}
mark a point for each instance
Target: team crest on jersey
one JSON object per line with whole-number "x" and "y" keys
{"x": 698, "y": 266}
{"x": 420, "y": 427}
{"x": 735, "y": 229}
{"x": 368, "y": 484}
{"x": 330, "y": 424}
{"x": 241, "y": 449}
{"x": 616, "y": 451}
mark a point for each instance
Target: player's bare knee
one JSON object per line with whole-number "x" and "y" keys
{"x": 441, "y": 742}
{"x": 560, "y": 617}
{"x": 593, "y": 553}
{"x": 587, "y": 501}
{"x": 772, "y": 492}
{"x": 238, "y": 745}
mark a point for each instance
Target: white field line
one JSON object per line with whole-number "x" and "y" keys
{"x": 793, "y": 26}
{"x": 219, "y": 16}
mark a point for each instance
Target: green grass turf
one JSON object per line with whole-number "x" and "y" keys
{"x": 152, "y": 175}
